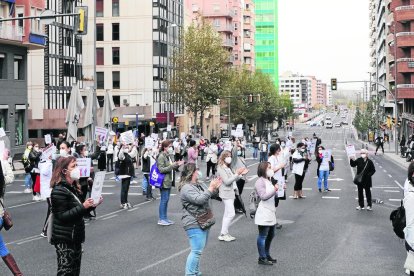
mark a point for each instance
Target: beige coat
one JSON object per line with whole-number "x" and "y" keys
{"x": 227, "y": 189}
{"x": 266, "y": 211}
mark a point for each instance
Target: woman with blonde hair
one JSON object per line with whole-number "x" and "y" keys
{"x": 227, "y": 192}
{"x": 195, "y": 198}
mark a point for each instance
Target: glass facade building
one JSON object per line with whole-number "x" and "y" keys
{"x": 266, "y": 37}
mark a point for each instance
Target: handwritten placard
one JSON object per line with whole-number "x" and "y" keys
{"x": 2, "y": 132}
{"x": 154, "y": 136}
{"x": 84, "y": 165}
{"x": 101, "y": 134}
{"x": 149, "y": 142}
{"x": 48, "y": 139}
{"x": 127, "y": 137}
{"x": 350, "y": 150}
{"x": 97, "y": 186}
{"x": 48, "y": 152}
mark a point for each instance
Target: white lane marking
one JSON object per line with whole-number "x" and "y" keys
{"x": 380, "y": 167}
{"x": 335, "y": 189}
{"x": 14, "y": 192}
{"x": 394, "y": 199}
{"x": 396, "y": 182}
{"x": 391, "y": 191}
{"x": 330, "y": 197}
{"x": 175, "y": 254}
{"x": 110, "y": 217}
{"x": 109, "y": 186}
{"x": 385, "y": 171}
{"x": 21, "y": 240}
{"x": 24, "y": 204}
{"x": 251, "y": 165}
{"x": 248, "y": 188}
{"x": 390, "y": 176}
{"x": 34, "y": 239}
{"x": 390, "y": 187}
{"x": 107, "y": 193}
{"x": 142, "y": 203}
{"x": 307, "y": 189}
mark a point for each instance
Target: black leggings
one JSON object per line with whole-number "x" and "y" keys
{"x": 211, "y": 166}
{"x": 299, "y": 181}
{"x": 240, "y": 186}
{"x": 49, "y": 209}
{"x": 124, "y": 189}
{"x": 361, "y": 195}
{"x": 378, "y": 146}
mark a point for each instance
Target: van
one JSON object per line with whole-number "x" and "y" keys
{"x": 328, "y": 124}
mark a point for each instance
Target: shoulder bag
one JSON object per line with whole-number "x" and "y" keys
{"x": 204, "y": 219}
{"x": 7, "y": 220}
{"x": 358, "y": 177}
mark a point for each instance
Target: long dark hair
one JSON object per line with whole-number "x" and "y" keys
{"x": 2, "y": 182}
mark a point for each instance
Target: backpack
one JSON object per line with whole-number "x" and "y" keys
{"x": 254, "y": 201}
{"x": 397, "y": 218}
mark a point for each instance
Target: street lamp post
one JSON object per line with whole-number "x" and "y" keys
{"x": 168, "y": 78}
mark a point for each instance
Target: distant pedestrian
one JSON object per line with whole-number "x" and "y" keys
{"x": 379, "y": 141}
{"x": 126, "y": 171}
{"x": 201, "y": 147}
{"x": 146, "y": 168}
{"x": 366, "y": 168}
{"x": 228, "y": 192}
{"x": 110, "y": 157}
{"x": 195, "y": 199}
{"x": 169, "y": 168}
{"x": 34, "y": 158}
{"x": 192, "y": 152}
{"x": 27, "y": 168}
{"x": 6, "y": 177}
{"x": 323, "y": 170}
{"x": 211, "y": 158}
{"x": 265, "y": 217}
{"x": 256, "y": 141}
{"x": 263, "y": 147}
{"x": 68, "y": 226}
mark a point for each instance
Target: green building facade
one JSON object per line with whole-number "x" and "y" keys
{"x": 266, "y": 38}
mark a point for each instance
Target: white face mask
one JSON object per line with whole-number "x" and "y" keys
{"x": 269, "y": 173}
{"x": 86, "y": 153}
{"x": 363, "y": 155}
{"x": 228, "y": 160}
{"x": 75, "y": 174}
{"x": 283, "y": 144}
{"x": 36, "y": 148}
{"x": 170, "y": 150}
{"x": 302, "y": 150}
{"x": 63, "y": 153}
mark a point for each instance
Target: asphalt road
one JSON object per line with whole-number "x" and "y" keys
{"x": 321, "y": 235}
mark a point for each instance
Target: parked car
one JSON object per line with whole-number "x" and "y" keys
{"x": 337, "y": 124}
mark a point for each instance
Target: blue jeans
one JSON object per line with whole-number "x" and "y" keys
{"x": 255, "y": 151}
{"x": 28, "y": 181}
{"x": 198, "y": 241}
{"x": 264, "y": 239}
{"x": 3, "y": 249}
{"x": 263, "y": 156}
{"x": 165, "y": 197}
{"x": 144, "y": 184}
{"x": 323, "y": 175}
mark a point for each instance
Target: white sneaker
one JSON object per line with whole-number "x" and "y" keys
{"x": 36, "y": 198}
{"x": 359, "y": 208}
{"x": 407, "y": 271}
{"x": 226, "y": 238}
{"x": 369, "y": 208}
{"x": 122, "y": 206}
{"x": 129, "y": 205}
{"x": 27, "y": 191}
{"x": 133, "y": 182}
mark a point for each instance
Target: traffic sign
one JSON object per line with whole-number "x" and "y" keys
{"x": 115, "y": 120}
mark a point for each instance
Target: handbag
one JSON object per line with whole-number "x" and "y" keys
{"x": 331, "y": 166}
{"x": 204, "y": 219}
{"x": 358, "y": 177}
{"x": 7, "y": 220}
{"x": 156, "y": 178}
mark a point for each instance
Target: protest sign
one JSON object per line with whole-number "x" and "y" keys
{"x": 313, "y": 145}
{"x": 169, "y": 128}
{"x": 149, "y": 142}
{"x": 350, "y": 150}
{"x": 290, "y": 134}
{"x": 84, "y": 165}
{"x": 2, "y": 133}
{"x": 164, "y": 135}
{"x": 48, "y": 139}
{"x": 97, "y": 186}
{"x": 127, "y": 137}
{"x": 101, "y": 134}
{"x": 326, "y": 154}
{"x": 154, "y": 136}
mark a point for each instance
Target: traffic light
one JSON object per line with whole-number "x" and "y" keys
{"x": 388, "y": 121}
{"x": 334, "y": 86}
{"x": 81, "y": 20}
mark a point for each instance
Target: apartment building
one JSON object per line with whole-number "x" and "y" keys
{"x": 235, "y": 21}
{"x": 133, "y": 42}
{"x": 266, "y": 38}
{"x": 16, "y": 39}
{"x": 53, "y": 70}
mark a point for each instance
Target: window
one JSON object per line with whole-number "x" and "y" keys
{"x": 3, "y": 118}
{"x": 100, "y": 82}
{"x": 18, "y": 68}
{"x": 99, "y": 8}
{"x": 115, "y": 55}
{"x": 115, "y": 8}
{"x": 99, "y": 32}
{"x": 116, "y": 82}
{"x": 217, "y": 22}
{"x": 19, "y": 120}
{"x": 100, "y": 56}
{"x": 117, "y": 101}
{"x": 115, "y": 31}
{"x": 3, "y": 74}
{"x": 20, "y": 22}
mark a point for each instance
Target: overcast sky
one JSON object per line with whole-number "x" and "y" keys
{"x": 325, "y": 38}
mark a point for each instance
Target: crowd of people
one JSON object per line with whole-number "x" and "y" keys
{"x": 69, "y": 202}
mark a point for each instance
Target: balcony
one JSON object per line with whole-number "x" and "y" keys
{"x": 405, "y": 91}
{"x": 405, "y": 65}
{"x": 11, "y": 32}
{"x": 225, "y": 29}
{"x": 218, "y": 13}
{"x": 405, "y": 39}
{"x": 228, "y": 43}
{"x": 404, "y": 13}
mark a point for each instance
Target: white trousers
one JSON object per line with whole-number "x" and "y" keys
{"x": 228, "y": 216}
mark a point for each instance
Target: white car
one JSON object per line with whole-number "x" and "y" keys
{"x": 338, "y": 125}
{"x": 328, "y": 124}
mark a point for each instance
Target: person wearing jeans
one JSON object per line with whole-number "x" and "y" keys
{"x": 168, "y": 168}
{"x": 195, "y": 199}
{"x": 265, "y": 217}
{"x": 227, "y": 192}
{"x": 323, "y": 169}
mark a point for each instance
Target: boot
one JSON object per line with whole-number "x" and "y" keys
{"x": 11, "y": 264}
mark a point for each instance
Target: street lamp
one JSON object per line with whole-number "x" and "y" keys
{"x": 168, "y": 77}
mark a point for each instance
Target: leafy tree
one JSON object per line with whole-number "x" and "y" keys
{"x": 201, "y": 69}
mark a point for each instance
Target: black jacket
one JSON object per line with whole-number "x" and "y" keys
{"x": 68, "y": 211}
{"x": 368, "y": 172}
{"x": 126, "y": 167}
{"x": 34, "y": 158}
{"x": 146, "y": 164}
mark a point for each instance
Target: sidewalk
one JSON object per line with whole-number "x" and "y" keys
{"x": 389, "y": 152}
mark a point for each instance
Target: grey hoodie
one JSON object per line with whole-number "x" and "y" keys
{"x": 195, "y": 200}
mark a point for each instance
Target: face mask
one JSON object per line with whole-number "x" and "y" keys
{"x": 269, "y": 173}
{"x": 283, "y": 144}
{"x": 86, "y": 153}
{"x": 63, "y": 153}
{"x": 75, "y": 174}
{"x": 363, "y": 155}
{"x": 277, "y": 143}
{"x": 228, "y": 160}
{"x": 239, "y": 153}
{"x": 302, "y": 150}
{"x": 170, "y": 150}
{"x": 200, "y": 174}
{"x": 36, "y": 148}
